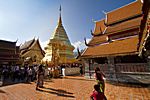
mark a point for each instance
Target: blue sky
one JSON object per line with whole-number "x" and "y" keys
{"x": 26, "y": 19}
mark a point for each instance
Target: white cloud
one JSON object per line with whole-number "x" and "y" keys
{"x": 88, "y": 40}
{"x": 43, "y": 44}
{"x": 80, "y": 44}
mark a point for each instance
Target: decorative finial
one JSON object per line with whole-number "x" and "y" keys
{"x": 85, "y": 41}
{"x": 79, "y": 54}
{"x": 60, "y": 21}
{"x": 104, "y": 12}
{"x": 93, "y": 20}
{"x": 78, "y": 51}
{"x": 92, "y": 33}
{"x": 16, "y": 40}
{"x": 60, "y": 9}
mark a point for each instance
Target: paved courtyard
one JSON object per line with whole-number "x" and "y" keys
{"x": 72, "y": 88}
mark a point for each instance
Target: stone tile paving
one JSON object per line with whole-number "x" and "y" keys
{"x": 72, "y": 88}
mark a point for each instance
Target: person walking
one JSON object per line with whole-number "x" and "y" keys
{"x": 30, "y": 73}
{"x": 81, "y": 69}
{"x": 99, "y": 75}
{"x": 40, "y": 77}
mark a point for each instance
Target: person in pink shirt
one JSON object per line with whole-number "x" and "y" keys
{"x": 97, "y": 95}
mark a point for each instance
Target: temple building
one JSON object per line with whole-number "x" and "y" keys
{"x": 9, "y": 52}
{"x": 31, "y": 52}
{"x": 120, "y": 44}
{"x": 59, "y": 49}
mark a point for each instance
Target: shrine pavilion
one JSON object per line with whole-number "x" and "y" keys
{"x": 31, "y": 52}
{"x": 120, "y": 43}
{"x": 9, "y": 52}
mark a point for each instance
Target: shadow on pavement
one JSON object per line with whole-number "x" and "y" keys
{"x": 57, "y": 92}
{"x": 8, "y": 82}
{"x": 1, "y": 91}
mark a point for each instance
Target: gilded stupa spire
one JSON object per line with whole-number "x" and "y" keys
{"x": 60, "y": 33}
{"x": 60, "y": 21}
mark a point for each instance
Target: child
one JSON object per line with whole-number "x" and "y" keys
{"x": 97, "y": 95}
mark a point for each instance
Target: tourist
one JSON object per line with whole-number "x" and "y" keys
{"x": 30, "y": 74}
{"x": 35, "y": 68}
{"x": 17, "y": 70}
{"x": 22, "y": 71}
{"x": 97, "y": 95}
{"x": 26, "y": 73}
{"x": 81, "y": 69}
{"x": 40, "y": 77}
{"x": 99, "y": 75}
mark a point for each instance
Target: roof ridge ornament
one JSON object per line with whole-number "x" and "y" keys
{"x": 85, "y": 42}
{"x": 92, "y": 33}
{"x": 16, "y": 40}
{"x": 104, "y": 12}
{"x": 79, "y": 53}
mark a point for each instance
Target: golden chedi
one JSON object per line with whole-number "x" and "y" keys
{"x": 59, "y": 49}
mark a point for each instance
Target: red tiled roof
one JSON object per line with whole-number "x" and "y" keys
{"x": 127, "y": 25}
{"x": 99, "y": 27}
{"x": 118, "y": 47}
{"x": 124, "y": 12}
{"x": 98, "y": 39}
